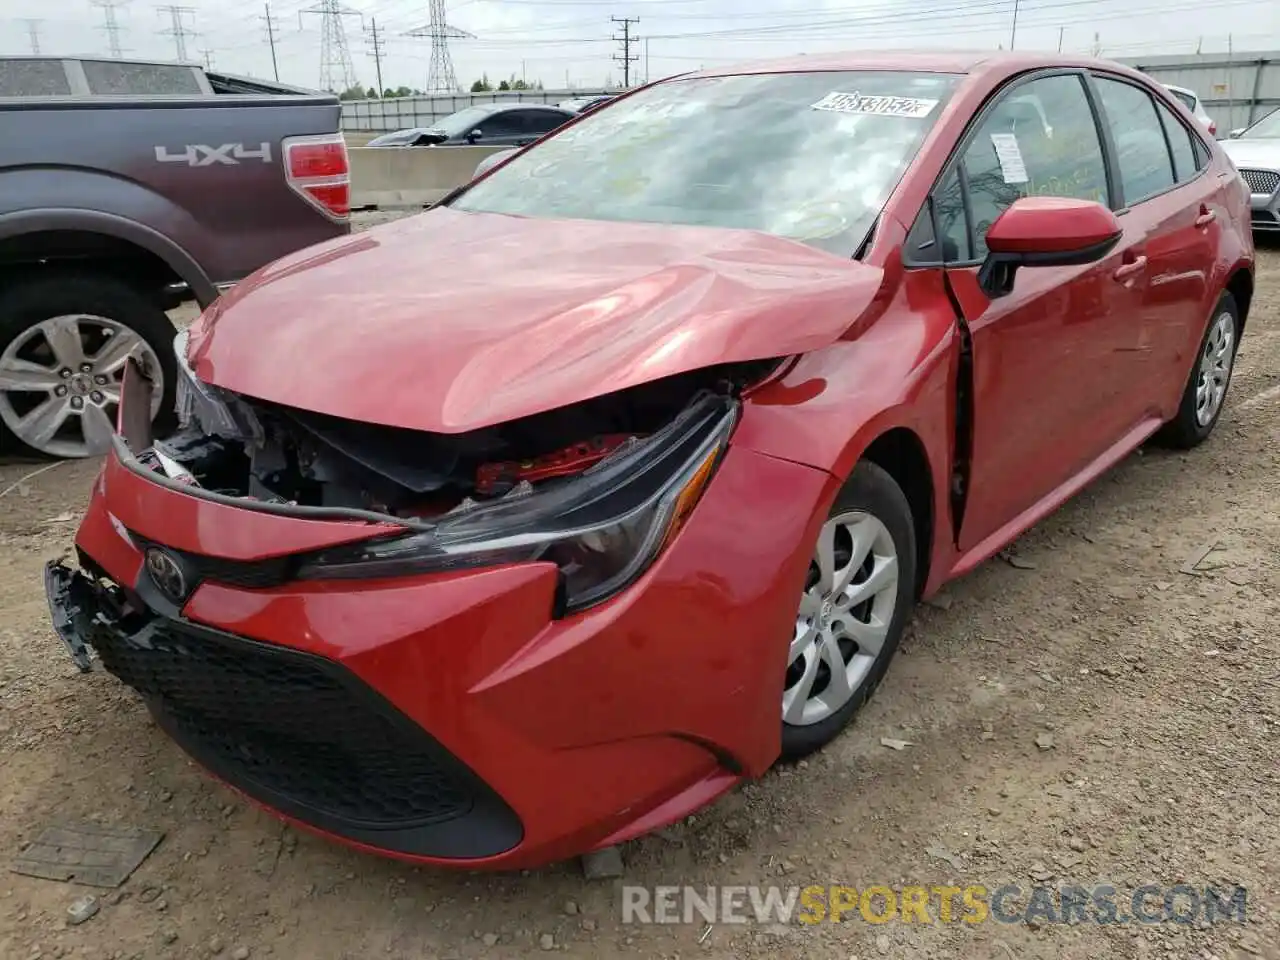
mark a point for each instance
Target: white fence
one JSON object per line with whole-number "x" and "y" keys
{"x": 399, "y": 113}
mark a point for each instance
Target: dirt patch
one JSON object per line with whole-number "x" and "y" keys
{"x": 1102, "y": 716}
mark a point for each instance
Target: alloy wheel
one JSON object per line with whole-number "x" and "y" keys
{"x": 61, "y": 371}
{"x": 844, "y": 617}
{"x": 1215, "y": 368}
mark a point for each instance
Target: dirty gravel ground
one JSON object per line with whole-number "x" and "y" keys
{"x": 1159, "y": 692}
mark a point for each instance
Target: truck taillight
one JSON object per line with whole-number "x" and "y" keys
{"x": 318, "y": 171}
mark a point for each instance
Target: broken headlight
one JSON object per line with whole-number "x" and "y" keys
{"x": 602, "y": 529}
{"x": 202, "y": 404}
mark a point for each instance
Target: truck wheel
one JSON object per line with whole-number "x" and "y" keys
{"x": 64, "y": 339}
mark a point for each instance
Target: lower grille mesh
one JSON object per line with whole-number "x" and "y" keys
{"x": 1261, "y": 181}
{"x": 291, "y": 723}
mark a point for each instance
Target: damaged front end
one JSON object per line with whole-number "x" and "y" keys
{"x": 597, "y": 488}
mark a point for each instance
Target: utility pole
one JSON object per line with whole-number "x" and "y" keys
{"x": 1061, "y": 31}
{"x": 626, "y": 40}
{"x": 646, "y": 59}
{"x": 337, "y": 73}
{"x": 1013, "y": 32}
{"x": 110, "y": 25}
{"x": 375, "y": 48}
{"x": 33, "y": 33}
{"x": 271, "y": 38}
{"x": 177, "y": 29}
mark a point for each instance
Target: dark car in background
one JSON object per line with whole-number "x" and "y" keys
{"x": 496, "y": 124}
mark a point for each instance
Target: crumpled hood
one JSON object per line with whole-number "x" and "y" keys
{"x": 451, "y": 321}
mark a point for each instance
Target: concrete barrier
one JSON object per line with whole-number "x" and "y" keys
{"x": 410, "y": 176}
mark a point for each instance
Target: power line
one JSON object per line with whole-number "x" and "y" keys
{"x": 440, "y": 75}
{"x": 337, "y": 73}
{"x": 271, "y": 38}
{"x": 627, "y": 58}
{"x": 110, "y": 25}
{"x": 33, "y": 33}
{"x": 178, "y": 29}
{"x": 375, "y": 48}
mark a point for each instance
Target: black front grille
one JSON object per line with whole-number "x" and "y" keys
{"x": 304, "y": 735}
{"x": 1261, "y": 181}
{"x": 1264, "y": 216}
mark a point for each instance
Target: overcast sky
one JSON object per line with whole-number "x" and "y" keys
{"x": 569, "y": 42}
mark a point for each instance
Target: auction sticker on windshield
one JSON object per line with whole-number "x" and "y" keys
{"x": 881, "y": 106}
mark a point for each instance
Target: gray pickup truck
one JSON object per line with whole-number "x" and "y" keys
{"x": 127, "y": 187}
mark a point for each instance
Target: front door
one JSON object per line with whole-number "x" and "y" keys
{"x": 1046, "y": 365}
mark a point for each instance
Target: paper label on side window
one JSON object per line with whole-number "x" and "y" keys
{"x": 1011, "y": 166}
{"x": 876, "y": 106}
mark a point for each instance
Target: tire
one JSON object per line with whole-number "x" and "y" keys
{"x": 1189, "y": 428}
{"x": 91, "y": 308}
{"x": 877, "y": 511}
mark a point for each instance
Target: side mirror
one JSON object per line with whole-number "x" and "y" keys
{"x": 474, "y": 135}
{"x": 1045, "y": 232}
{"x": 1237, "y": 132}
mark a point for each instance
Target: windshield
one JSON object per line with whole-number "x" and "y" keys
{"x": 461, "y": 121}
{"x": 1188, "y": 100}
{"x": 808, "y": 156}
{"x": 401, "y": 136}
{"x": 1268, "y": 127}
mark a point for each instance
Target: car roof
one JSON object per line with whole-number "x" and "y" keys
{"x": 916, "y": 61}
{"x": 502, "y": 107}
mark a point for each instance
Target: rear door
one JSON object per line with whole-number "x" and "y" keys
{"x": 1165, "y": 193}
{"x": 1044, "y": 357}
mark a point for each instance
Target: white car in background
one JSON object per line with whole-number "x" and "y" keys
{"x": 1190, "y": 99}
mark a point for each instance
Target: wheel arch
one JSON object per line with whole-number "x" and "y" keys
{"x": 106, "y": 242}
{"x": 1240, "y": 285}
{"x": 900, "y": 452}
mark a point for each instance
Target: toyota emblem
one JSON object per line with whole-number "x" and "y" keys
{"x": 166, "y": 573}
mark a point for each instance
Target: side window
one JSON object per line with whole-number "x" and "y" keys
{"x": 1141, "y": 151}
{"x": 1039, "y": 139}
{"x": 1184, "y": 157}
{"x": 505, "y": 124}
{"x": 541, "y": 121}
{"x": 953, "y": 226}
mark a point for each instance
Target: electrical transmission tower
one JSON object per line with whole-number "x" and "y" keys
{"x": 440, "y": 75}
{"x": 33, "y": 33}
{"x": 337, "y": 73}
{"x": 375, "y": 48}
{"x": 627, "y": 58}
{"x": 110, "y": 24}
{"x": 271, "y": 38}
{"x": 178, "y": 29}
{"x": 208, "y": 58}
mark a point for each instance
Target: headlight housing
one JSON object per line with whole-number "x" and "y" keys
{"x": 602, "y": 528}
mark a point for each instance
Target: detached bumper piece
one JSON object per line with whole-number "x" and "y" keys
{"x": 296, "y": 732}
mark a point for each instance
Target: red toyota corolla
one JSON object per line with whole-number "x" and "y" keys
{"x": 539, "y": 520}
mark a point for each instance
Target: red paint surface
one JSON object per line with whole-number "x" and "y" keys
{"x": 449, "y": 321}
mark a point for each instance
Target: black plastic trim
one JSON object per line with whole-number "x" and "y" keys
{"x": 487, "y": 827}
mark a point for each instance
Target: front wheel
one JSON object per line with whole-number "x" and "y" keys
{"x": 855, "y": 605}
{"x": 64, "y": 339}
{"x": 1206, "y": 388}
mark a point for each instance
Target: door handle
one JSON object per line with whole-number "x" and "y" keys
{"x": 1206, "y": 218}
{"x": 1130, "y": 269}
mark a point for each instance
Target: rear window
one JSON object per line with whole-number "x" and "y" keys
{"x": 33, "y": 78}
{"x": 808, "y": 156}
{"x": 113, "y": 77}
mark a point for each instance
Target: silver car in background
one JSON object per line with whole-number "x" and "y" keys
{"x": 1255, "y": 151}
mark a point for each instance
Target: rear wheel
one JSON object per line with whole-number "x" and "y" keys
{"x": 1206, "y": 389}
{"x": 856, "y": 601}
{"x": 64, "y": 340}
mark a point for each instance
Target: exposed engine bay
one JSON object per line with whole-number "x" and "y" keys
{"x": 247, "y": 448}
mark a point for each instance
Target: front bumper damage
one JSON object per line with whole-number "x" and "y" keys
{"x": 450, "y": 718}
